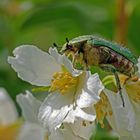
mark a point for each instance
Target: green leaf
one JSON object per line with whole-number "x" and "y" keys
{"x": 60, "y": 13}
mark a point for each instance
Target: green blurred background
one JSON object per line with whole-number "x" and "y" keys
{"x": 43, "y": 22}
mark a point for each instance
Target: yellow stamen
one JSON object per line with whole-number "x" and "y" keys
{"x": 103, "y": 108}
{"x": 63, "y": 82}
{"x": 10, "y": 132}
{"x": 133, "y": 90}
{"x": 46, "y": 138}
{"x": 132, "y": 86}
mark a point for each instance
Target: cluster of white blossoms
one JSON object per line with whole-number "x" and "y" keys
{"x": 74, "y": 99}
{"x": 67, "y": 112}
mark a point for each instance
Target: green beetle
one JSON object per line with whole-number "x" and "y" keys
{"x": 94, "y": 51}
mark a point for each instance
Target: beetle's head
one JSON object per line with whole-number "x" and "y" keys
{"x": 74, "y": 46}
{"x": 74, "y": 50}
{"x": 69, "y": 47}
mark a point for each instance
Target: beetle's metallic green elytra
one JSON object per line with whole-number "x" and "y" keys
{"x": 109, "y": 56}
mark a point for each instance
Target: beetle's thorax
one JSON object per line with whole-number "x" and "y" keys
{"x": 91, "y": 55}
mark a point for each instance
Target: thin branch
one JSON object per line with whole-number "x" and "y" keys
{"x": 121, "y": 21}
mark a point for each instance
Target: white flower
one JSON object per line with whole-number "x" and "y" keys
{"x": 72, "y": 92}
{"x": 125, "y": 121}
{"x": 33, "y": 130}
{"x": 8, "y": 112}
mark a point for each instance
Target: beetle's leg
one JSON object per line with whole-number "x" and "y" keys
{"x": 119, "y": 87}
{"x": 110, "y": 68}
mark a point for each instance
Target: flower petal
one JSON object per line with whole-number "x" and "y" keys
{"x": 54, "y": 109}
{"x": 87, "y": 114}
{"x": 30, "y": 106}
{"x": 90, "y": 93}
{"x": 65, "y": 133}
{"x": 33, "y": 65}
{"x": 136, "y": 132}
{"x": 95, "y": 85}
{"x": 73, "y": 131}
{"x": 63, "y": 60}
{"x": 31, "y": 131}
{"x": 54, "y": 53}
{"x": 8, "y": 112}
{"x": 123, "y": 117}
{"x": 83, "y": 129}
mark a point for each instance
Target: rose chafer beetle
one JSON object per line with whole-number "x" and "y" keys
{"x": 94, "y": 51}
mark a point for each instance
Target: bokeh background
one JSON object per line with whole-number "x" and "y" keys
{"x": 43, "y": 22}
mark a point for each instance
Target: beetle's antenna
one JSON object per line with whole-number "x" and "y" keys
{"x": 55, "y": 45}
{"x": 67, "y": 40}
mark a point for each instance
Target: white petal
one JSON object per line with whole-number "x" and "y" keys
{"x": 95, "y": 85}
{"x": 30, "y": 107}
{"x": 8, "y": 112}
{"x": 85, "y": 130}
{"x": 136, "y": 131}
{"x": 56, "y": 135}
{"x": 58, "y": 57}
{"x": 31, "y": 131}
{"x": 90, "y": 93}
{"x": 67, "y": 63}
{"x": 77, "y": 112}
{"x": 124, "y": 117}
{"x": 63, "y": 60}
{"x": 33, "y": 65}
{"x": 74, "y": 131}
{"x": 65, "y": 133}
{"x": 54, "y": 109}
